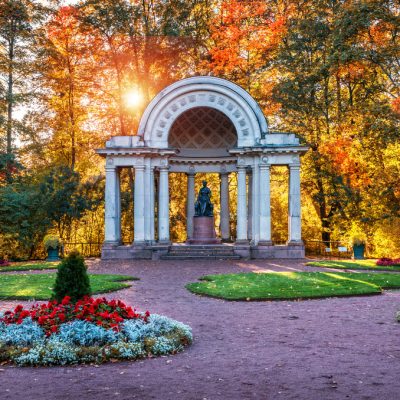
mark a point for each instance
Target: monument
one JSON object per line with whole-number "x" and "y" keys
{"x": 202, "y": 125}
{"x": 203, "y": 220}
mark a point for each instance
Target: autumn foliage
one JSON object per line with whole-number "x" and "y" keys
{"x": 327, "y": 71}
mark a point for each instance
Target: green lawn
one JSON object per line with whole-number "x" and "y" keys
{"x": 38, "y": 286}
{"x": 349, "y": 264}
{"x": 292, "y": 285}
{"x": 30, "y": 266}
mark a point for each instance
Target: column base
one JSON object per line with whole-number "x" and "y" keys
{"x": 111, "y": 244}
{"x": 139, "y": 243}
{"x": 241, "y": 242}
{"x": 265, "y": 243}
{"x": 295, "y": 243}
{"x": 163, "y": 243}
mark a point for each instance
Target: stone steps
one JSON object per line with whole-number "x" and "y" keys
{"x": 199, "y": 257}
{"x": 207, "y": 252}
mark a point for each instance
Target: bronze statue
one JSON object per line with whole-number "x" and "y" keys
{"x": 203, "y": 206}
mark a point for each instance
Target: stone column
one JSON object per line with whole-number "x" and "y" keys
{"x": 163, "y": 206}
{"x": 112, "y": 206}
{"x": 249, "y": 204}
{"x": 224, "y": 196}
{"x": 118, "y": 201}
{"x": 152, "y": 205}
{"x": 294, "y": 205}
{"x": 190, "y": 204}
{"x": 255, "y": 220}
{"x": 241, "y": 227}
{"x": 149, "y": 202}
{"x": 139, "y": 206}
{"x": 265, "y": 206}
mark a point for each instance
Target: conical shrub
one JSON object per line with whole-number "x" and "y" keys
{"x": 72, "y": 278}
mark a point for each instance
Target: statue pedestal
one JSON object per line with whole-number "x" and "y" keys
{"x": 204, "y": 231}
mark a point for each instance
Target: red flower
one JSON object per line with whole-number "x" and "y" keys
{"x": 66, "y": 300}
{"x": 19, "y": 308}
{"x": 24, "y": 314}
{"x": 108, "y": 314}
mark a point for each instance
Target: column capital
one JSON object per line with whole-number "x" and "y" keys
{"x": 139, "y": 167}
{"x": 265, "y": 167}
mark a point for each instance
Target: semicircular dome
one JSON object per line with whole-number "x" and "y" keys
{"x": 202, "y": 91}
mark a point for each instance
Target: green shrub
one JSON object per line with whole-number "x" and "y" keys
{"x": 72, "y": 279}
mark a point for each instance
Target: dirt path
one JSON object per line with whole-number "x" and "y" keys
{"x": 338, "y": 348}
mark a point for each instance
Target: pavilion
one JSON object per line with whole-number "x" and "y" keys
{"x": 211, "y": 125}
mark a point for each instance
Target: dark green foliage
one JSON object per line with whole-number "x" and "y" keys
{"x": 31, "y": 205}
{"x": 72, "y": 278}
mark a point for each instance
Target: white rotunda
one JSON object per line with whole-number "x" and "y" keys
{"x": 202, "y": 124}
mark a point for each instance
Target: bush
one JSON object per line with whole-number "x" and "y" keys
{"x": 72, "y": 279}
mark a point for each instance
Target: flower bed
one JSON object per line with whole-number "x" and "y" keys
{"x": 385, "y": 262}
{"x": 89, "y": 331}
{"x": 4, "y": 263}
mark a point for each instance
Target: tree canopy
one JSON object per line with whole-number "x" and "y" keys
{"x": 328, "y": 71}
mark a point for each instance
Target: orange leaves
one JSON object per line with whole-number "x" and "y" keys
{"x": 351, "y": 71}
{"x": 243, "y": 32}
{"x": 396, "y": 106}
{"x": 380, "y": 32}
{"x": 342, "y": 151}
{"x": 63, "y": 23}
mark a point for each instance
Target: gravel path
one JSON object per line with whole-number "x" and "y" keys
{"x": 337, "y": 348}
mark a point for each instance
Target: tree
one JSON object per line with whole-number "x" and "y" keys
{"x": 17, "y": 37}
{"x": 72, "y": 279}
{"x": 29, "y": 207}
{"x": 244, "y": 38}
{"x": 332, "y": 94}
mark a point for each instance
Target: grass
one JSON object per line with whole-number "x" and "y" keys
{"x": 356, "y": 265}
{"x": 292, "y": 285}
{"x": 39, "y": 286}
{"x": 30, "y": 266}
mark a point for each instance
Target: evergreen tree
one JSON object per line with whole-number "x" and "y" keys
{"x": 72, "y": 279}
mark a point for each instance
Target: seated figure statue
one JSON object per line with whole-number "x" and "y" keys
{"x": 203, "y": 206}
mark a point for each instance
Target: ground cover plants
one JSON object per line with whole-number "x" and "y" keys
{"x": 39, "y": 286}
{"x": 377, "y": 265}
{"x": 292, "y": 285}
{"x": 87, "y": 331}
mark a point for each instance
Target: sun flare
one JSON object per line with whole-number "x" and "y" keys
{"x": 133, "y": 98}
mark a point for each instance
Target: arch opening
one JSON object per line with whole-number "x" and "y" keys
{"x": 202, "y": 128}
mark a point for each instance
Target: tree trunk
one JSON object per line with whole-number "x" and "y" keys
{"x": 10, "y": 94}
